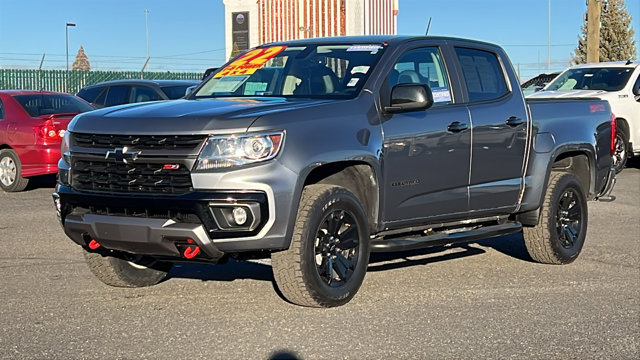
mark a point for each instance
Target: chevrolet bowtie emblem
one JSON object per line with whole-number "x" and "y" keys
{"x": 122, "y": 154}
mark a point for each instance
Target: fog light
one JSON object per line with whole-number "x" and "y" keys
{"x": 239, "y": 215}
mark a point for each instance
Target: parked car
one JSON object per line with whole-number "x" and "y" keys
{"x": 537, "y": 83}
{"x": 118, "y": 92}
{"x": 315, "y": 152}
{"x": 617, "y": 82}
{"x": 32, "y": 125}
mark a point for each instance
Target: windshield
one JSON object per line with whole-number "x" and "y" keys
{"x": 319, "y": 71}
{"x": 47, "y": 104}
{"x": 608, "y": 79}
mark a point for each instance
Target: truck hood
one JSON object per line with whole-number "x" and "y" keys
{"x": 555, "y": 94}
{"x": 184, "y": 116}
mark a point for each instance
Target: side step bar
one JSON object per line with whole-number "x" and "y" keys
{"x": 443, "y": 238}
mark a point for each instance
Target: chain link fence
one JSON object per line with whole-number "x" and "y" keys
{"x": 73, "y": 80}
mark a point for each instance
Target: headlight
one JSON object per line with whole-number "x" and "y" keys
{"x": 221, "y": 152}
{"x": 64, "y": 148}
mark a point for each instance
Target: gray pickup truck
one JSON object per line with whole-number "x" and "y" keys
{"x": 317, "y": 152}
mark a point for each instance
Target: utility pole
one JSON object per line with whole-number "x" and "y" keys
{"x": 594, "y": 8}
{"x": 146, "y": 26}
{"x": 549, "y": 37}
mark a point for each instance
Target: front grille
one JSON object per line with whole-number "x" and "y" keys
{"x": 143, "y": 212}
{"x": 134, "y": 177}
{"x": 155, "y": 142}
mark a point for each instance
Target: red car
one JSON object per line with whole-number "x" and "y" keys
{"x": 32, "y": 124}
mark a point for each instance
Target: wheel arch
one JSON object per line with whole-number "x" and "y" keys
{"x": 359, "y": 177}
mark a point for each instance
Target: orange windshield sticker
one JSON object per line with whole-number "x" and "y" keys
{"x": 248, "y": 63}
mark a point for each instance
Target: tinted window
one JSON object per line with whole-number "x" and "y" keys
{"x": 90, "y": 94}
{"x": 46, "y": 104}
{"x": 423, "y": 66}
{"x": 1, "y": 110}
{"x": 636, "y": 87}
{"x": 608, "y": 79}
{"x": 176, "y": 91}
{"x": 482, "y": 73}
{"x": 142, "y": 94}
{"x": 117, "y": 95}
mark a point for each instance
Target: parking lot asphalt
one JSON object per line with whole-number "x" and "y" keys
{"x": 485, "y": 299}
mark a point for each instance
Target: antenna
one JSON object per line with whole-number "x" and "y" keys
{"x": 428, "y": 26}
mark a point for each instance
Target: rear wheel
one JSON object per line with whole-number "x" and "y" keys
{"x": 126, "y": 271}
{"x": 11, "y": 179}
{"x": 327, "y": 259}
{"x": 621, "y": 144}
{"x": 559, "y": 236}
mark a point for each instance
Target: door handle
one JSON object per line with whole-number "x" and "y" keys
{"x": 514, "y": 121}
{"x": 457, "y": 126}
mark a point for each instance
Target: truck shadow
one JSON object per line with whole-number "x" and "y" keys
{"x": 510, "y": 245}
{"x": 42, "y": 181}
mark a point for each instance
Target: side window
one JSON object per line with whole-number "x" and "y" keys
{"x": 482, "y": 73}
{"x": 117, "y": 95}
{"x": 90, "y": 94}
{"x": 423, "y": 66}
{"x": 636, "y": 87}
{"x": 142, "y": 94}
{"x": 1, "y": 110}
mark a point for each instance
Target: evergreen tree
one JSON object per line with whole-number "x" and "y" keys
{"x": 616, "y": 35}
{"x": 81, "y": 62}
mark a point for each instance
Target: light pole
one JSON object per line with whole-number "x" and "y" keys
{"x": 66, "y": 29}
{"x": 549, "y": 38}
{"x": 146, "y": 26}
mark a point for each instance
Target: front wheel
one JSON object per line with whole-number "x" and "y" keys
{"x": 329, "y": 252}
{"x": 126, "y": 271}
{"x": 559, "y": 236}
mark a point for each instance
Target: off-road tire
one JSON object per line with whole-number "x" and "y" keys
{"x": 550, "y": 242}
{"x": 119, "y": 272}
{"x": 11, "y": 163}
{"x": 299, "y": 276}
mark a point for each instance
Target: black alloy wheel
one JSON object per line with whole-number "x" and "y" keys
{"x": 568, "y": 219}
{"x": 336, "y": 248}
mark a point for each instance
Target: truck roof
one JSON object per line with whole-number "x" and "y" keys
{"x": 391, "y": 39}
{"x": 630, "y": 64}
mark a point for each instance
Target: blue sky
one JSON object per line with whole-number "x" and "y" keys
{"x": 189, "y": 35}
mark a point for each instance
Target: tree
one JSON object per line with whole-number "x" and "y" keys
{"x": 616, "y": 35}
{"x": 82, "y": 61}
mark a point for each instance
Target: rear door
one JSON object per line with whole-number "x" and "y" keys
{"x": 426, "y": 153}
{"x": 499, "y": 132}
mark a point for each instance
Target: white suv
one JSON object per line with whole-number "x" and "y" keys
{"x": 617, "y": 82}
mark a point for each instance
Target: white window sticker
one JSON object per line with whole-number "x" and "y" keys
{"x": 373, "y": 49}
{"x": 353, "y": 82}
{"x": 441, "y": 94}
{"x": 362, "y": 69}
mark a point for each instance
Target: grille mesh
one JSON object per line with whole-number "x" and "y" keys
{"x": 139, "y": 142}
{"x": 136, "y": 177}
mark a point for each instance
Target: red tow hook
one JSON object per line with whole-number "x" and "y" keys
{"x": 191, "y": 251}
{"x": 93, "y": 244}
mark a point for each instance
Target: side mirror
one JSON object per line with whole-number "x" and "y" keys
{"x": 410, "y": 97}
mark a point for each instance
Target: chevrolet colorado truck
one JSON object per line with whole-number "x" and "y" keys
{"x": 316, "y": 152}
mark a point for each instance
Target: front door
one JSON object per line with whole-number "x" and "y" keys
{"x": 426, "y": 153}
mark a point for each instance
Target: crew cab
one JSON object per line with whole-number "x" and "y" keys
{"x": 316, "y": 152}
{"x": 618, "y": 82}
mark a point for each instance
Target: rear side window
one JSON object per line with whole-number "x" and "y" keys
{"x": 1, "y": 110}
{"x": 482, "y": 73}
{"x": 90, "y": 94}
{"x": 47, "y": 104}
{"x": 117, "y": 95}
